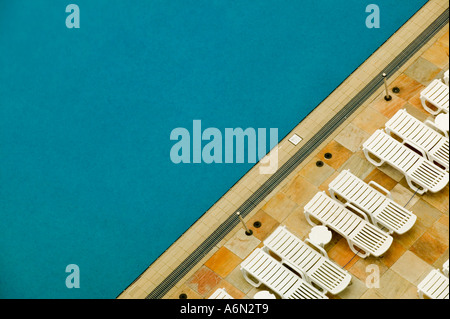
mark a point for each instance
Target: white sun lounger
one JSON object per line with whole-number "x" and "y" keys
{"x": 434, "y": 286}
{"x": 301, "y": 257}
{"x": 382, "y": 210}
{"x": 359, "y": 232}
{"x": 421, "y": 137}
{"x": 446, "y": 77}
{"x": 445, "y": 268}
{"x": 421, "y": 174}
{"x": 435, "y": 97}
{"x": 220, "y": 293}
{"x": 261, "y": 269}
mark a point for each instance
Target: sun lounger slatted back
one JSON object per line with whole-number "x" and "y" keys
{"x": 420, "y": 136}
{"x": 384, "y": 212}
{"x": 436, "y": 94}
{"x": 421, "y": 174}
{"x": 434, "y": 286}
{"x": 260, "y": 268}
{"x": 445, "y": 268}
{"x": 359, "y": 233}
{"x": 302, "y": 257}
{"x": 220, "y": 293}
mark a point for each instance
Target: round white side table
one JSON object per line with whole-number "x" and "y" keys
{"x": 320, "y": 236}
{"x": 441, "y": 121}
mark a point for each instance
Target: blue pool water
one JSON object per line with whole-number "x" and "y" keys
{"x": 86, "y": 115}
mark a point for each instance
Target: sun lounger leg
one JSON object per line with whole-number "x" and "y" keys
{"x": 356, "y": 251}
{"x": 308, "y": 219}
{"x": 250, "y": 280}
{"x": 418, "y": 189}
{"x": 371, "y": 160}
{"x": 420, "y": 293}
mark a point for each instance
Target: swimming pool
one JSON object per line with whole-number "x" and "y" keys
{"x": 86, "y": 115}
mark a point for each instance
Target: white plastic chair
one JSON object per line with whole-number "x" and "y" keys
{"x": 446, "y": 77}
{"x": 374, "y": 200}
{"x": 434, "y": 286}
{"x": 434, "y": 97}
{"x": 311, "y": 260}
{"x": 445, "y": 268}
{"x": 359, "y": 232}
{"x": 261, "y": 269}
{"x": 220, "y": 293}
{"x": 421, "y": 174}
{"x": 421, "y": 137}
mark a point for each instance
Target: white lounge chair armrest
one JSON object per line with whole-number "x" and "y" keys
{"x": 320, "y": 249}
{"x": 433, "y": 126}
{"x": 255, "y": 284}
{"x": 378, "y": 187}
{"x": 359, "y": 211}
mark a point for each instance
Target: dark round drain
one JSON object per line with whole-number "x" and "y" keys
{"x": 396, "y": 90}
{"x": 249, "y": 233}
{"x": 257, "y": 224}
{"x": 319, "y": 163}
{"x": 328, "y": 155}
{"x": 183, "y": 296}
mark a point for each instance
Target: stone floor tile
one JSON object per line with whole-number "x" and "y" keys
{"x": 359, "y": 166}
{"x": 392, "y": 285}
{"x": 429, "y": 248}
{"x": 389, "y": 108}
{"x": 411, "y": 267}
{"x": 409, "y": 238}
{"x": 279, "y": 207}
{"x": 438, "y": 200}
{"x": 444, "y": 39}
{"x": 362, "y": 268}
{"x": 268, "y": 225}
{"x": 242, "y": 245}
{"x": 394, "y": 253}
{"x": 426, "y": 213}
{"x": 441, "y": 260}
{"x": 437, "y": 54}
{"x": 314, "y": 174}
{"x": 408, "y": 87}
{"x": 324, "y": 187}
{"x": 423, "y": 71}
{"x": 355, "y": 291}
{"x": 370, "y": 120}
{"x": 410, "y": 293}
{"x": 297, "y": 224}
{"x": 342, "y": 254}
{"x": 372, "y": 294}
{"x": 223, "y": 262}
{"x": 352, "y": 137}
{"x": 339, "y": 153}
{"x": 203, "y": 281}
{"x": 236, "y": 279}
{"x": 300, "y": 190}
{"x": 403, "y": 196}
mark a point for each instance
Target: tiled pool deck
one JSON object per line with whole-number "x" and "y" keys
{"x": 410, "y": 257}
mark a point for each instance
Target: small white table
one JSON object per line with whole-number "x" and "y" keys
{"x": 264, "y": 295}
{"x": 320, "y": 235}
{"x": 441, "y": 121}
